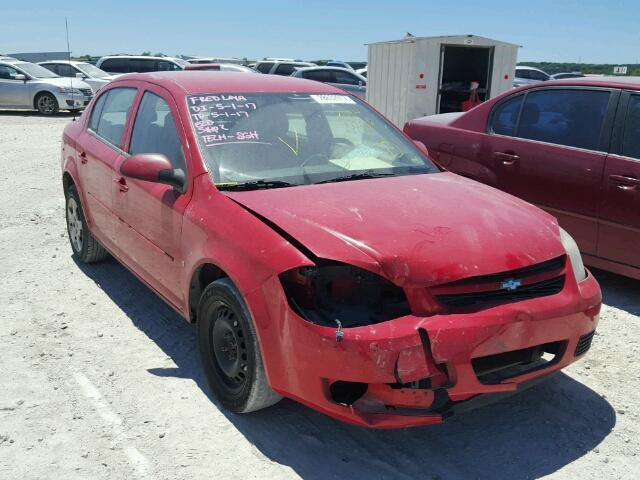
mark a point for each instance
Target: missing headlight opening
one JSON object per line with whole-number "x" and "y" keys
{"x": 333, "y": 293}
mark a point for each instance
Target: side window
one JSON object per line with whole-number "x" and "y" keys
{"x": 8, "y": 73}
{"x": 317, "y": 75}
{"x": 163, "y": 66}
{"x": 284, "y": 69}
{"x": 631, "y": 141}
{"x": 66, "y": 70}
{"x": 565, "y": 117}
{"x": 53, "y": 67}
{"x": 154, "y": 131}
{"x": 522, "y": 73}
{"x": 110, "y": 113}
{"x": 535, "y": 75}
{"x": 264, "y": 67}
{"x": 117, "y": 65}
{"x": 505, "y": 116}
{"x": 344, "y": 78}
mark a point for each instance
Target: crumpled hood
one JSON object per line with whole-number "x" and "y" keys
{"x": 415, "y": 230}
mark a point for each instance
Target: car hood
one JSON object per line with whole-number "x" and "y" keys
{"x": 417, "y": 229}
{"x": 63, "y": 82}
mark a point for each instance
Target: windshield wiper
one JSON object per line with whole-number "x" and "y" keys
{"x": 357, "y": 176}
{"x": 255, "y": 185}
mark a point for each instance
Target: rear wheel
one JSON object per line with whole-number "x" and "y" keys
{"x": 47, "y": 104}
{"x": 229, "y": 350}
{"x": 85, "y": 247}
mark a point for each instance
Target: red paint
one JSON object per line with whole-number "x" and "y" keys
{"x": 421, "y": 76}
{"x": 145, "y": 167}
{"x": 594, "y": 194}
{"x": 420, "y": 232}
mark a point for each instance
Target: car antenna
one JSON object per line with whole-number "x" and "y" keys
{"x": 66, "y": 27}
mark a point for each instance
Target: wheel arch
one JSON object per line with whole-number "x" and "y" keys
{"x": 40, "y": 92}
{"x": 203, "y": 275}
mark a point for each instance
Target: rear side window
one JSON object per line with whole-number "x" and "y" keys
{"x": 505, "y": 116}
{"x": 264, "y": 67}
{"x": 154, "y": 131}
{"x": 565, "y": 117}
{"x": 631, "y": 142}
{"x": 66, "y": 70}
{"x": 109, "y": 115}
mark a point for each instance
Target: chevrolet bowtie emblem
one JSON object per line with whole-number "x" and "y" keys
{"x": 511, "y": 284}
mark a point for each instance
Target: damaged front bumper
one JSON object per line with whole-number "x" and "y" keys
{"x": 418, "y": 370}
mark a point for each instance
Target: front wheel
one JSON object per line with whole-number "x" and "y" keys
{"x": 85, "y": 247}
{"x": 47, "y": 104}
{"x": 229, "y": 350}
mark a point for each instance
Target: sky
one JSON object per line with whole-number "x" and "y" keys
{"x": 586, "y": 31}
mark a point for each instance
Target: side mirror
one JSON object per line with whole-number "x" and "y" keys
{"x": 422, "y": 147}
{"x": 154, "y": 167}
{"x": 81, "y": 76}
{"x": 20, "y": 77}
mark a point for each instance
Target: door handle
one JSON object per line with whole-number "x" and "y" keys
{"x": 507, "y": 158}
{"x": 83, "y": 158}
{"x": 122, "y": 184}
{"x": 624, "y": 182}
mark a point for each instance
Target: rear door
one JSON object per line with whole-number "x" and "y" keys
{"x": 99, "y": 149}
{"x": 548, "y": 146}
{"x": 619, "y": 236}
{"x": 150, "y": 214}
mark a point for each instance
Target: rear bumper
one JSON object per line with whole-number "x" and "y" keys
{"x": 418, "y": 370}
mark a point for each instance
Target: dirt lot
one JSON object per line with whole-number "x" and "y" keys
{"x": 99, "y": 379}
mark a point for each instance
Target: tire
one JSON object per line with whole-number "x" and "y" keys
{"x": 46, "y": 104}
{"x": 229, "y": 350}
{"x": 85, "y": 247}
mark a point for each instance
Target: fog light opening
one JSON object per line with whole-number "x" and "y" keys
{"x": 346, "y": 393}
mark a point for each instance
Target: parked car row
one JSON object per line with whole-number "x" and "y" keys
{"x": 528, "y": 75}
{"x": 25, "y": 85}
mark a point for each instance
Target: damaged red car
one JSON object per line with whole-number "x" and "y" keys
{"x": 321, "y": 254}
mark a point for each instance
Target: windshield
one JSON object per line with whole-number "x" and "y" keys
{"x": 35, "y": 71}
{"x": 92, "y": 70}
{"x": 283, "y": 139}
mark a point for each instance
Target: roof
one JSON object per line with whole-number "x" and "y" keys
{"x": 442, "y": 38}
{"x": 606, "y": 82}
{"x": 190, "y": 82}
{"x": 68, "y": 62}
{"x": 139, "y": 57}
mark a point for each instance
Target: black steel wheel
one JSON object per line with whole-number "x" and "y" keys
{"x": 229, "y": 350}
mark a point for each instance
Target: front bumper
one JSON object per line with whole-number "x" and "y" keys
{"x": 72, "y": 101}
{"x": 418, "y": 370}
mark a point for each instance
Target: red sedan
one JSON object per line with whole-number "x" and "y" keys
{"x": 571, "y": 147}
{"x": 321, "y": 254}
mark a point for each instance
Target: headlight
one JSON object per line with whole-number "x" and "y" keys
{"x": 69, "y": 90}
{"x": 571, "y": 247}
{"x": 336, "y": 294}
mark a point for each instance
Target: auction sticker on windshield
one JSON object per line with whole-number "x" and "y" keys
{"x": 332, "y": 99}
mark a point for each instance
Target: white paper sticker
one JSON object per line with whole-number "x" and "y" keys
{"x": 332, "y": 98}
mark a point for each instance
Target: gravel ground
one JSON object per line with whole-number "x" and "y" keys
{"x": 99, "y": 379}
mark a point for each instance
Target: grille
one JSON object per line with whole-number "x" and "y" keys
{"x": 86, "y": 92}
{"x": 534, "y": 290}
{"x": 584, "y": 343}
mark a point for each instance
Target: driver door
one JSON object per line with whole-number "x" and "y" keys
{"x": 13, "y": 92}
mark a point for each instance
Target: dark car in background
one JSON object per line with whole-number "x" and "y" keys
{"x": 571, "y": 147}
{"x": 139, "y": 64}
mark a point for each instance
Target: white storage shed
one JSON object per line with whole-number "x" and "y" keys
{"x": 419, "y": 76}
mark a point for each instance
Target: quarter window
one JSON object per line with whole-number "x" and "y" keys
{"x": 565, "y": 117}
{"x": 264, "y": 67}
{"x": 631, "y": 142}
{"x": 109, "y": 115}
{"x": 154, "y": 131}
{"x": 505, "y": 116}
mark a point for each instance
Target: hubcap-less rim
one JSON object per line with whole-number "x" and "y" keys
{"x": 74, "y": 224}
{"x": 46, "y": 104}
{"x": 229, "y": 348}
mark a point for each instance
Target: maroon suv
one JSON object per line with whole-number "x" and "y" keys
{"x": 571, "y": 147}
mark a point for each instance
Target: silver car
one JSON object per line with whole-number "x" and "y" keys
{"x": 86, "y": 72}
{"x": 340, "y": 77}
{"x": 28, "y": 86}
